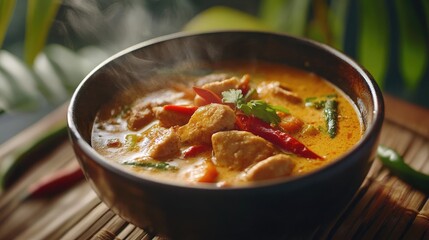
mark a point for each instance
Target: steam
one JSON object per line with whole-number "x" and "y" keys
{"x": 115, "y": 25}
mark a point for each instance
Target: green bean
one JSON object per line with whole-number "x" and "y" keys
{"x": 396, "y": 164}
{"x": 331, "y": 115}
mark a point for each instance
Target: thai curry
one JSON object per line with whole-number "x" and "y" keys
{"x": 237, "y": 124}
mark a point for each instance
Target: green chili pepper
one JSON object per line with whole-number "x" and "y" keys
{"x": 26, "y": 155}
{"x": 331, "y": 115}
{"x": 396, "y": 164}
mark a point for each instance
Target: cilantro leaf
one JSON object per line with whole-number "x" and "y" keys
{"x": 257, "y": 108}
{"x": 234, "y": 96}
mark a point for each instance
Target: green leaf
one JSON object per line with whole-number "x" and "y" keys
{"x": 257, "y": 108}
{"x": 373, "y": 45}
{"x": 48, "y": 79}
{"x": 223, "y": 18}
{"x": 286, "y": 15}
{"x": 19, "y": 81}
{"x": 338, "y": 21}
{"x": 40, "y": 16}
{"x": 234, "y": 96}
{"x": 413, "y": 45}
{"x": 6, "y": 12}
{"x": 67, "y": 65}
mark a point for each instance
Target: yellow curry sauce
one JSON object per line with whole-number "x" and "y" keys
{"x": 149, "y": 138}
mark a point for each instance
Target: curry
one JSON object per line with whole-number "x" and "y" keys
{"x": 240, "y": 123}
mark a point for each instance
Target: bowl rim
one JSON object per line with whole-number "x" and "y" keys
{"x": 291, "y": 182}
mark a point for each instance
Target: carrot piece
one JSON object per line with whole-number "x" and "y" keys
{"x": 291, "y": 124}
{"x": 207, "y": 95}
{"x": 207, "y": 173}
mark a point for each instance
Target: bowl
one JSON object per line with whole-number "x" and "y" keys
{"x": 270, "y": 210}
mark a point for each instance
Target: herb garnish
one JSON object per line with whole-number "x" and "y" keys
{"x": 156, "y": 165}
{"x": 257, "y": 108}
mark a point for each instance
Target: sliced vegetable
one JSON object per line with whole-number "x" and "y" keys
{"x": 193, "y": 151}
{"x": 56, "y": 182}
{"x": 186, "y": 110}
{"x": 152, "y": 165}
{"x": 331, "y": 116}
{"x": 275, "y": 136}
{"x": 23, "y": 157}
{"x": 207, "y": 95}
{"x": 131, "y": 141}
{"x": 396, "y": 164}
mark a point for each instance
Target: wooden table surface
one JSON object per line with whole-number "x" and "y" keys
{"x": 383, "y": 208}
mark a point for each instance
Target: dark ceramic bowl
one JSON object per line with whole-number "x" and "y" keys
{"x": 277, "y": 209}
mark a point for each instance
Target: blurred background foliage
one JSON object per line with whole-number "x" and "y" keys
{"x": 48, "y": 46}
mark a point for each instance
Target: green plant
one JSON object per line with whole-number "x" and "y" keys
{"x": 386, "y": 48}
{"x": 45, "y": 72}
{"x": 375, "y": 35}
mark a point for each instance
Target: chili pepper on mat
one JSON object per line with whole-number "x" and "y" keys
{"x": 17, "y": 162}
{"x": 56, "y": 182}
{"x": 277, "y": 137}
{"x": 396, "y": 164}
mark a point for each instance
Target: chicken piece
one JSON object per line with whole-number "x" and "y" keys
{"x": 163, "y": 143}
{"x": 217, "y": 88}
{"x": 238, "y": 150}
{"x": 140, "y": 115}
{"x": 273, "y": 90}
{"x": 170, "y": 118}
{"x": 276, "y": 166}
{"x": 214, "y": 77}
{"x": 206, "y": 121}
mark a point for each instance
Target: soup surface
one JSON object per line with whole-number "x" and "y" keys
{"x": 229, "y": 124}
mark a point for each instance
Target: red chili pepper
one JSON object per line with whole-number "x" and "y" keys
{"x": 277, "y": 137}
{"x": 192, "y": 151}
{"x": 186, "y": 110}
{"x": 56, "y": 182}
{"x": 208, "y": 95}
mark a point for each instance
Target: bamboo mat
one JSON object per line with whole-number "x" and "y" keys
{"x": 383, "y": 208}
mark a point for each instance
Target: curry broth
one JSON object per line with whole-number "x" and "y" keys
{"x": 111, "y": 133}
